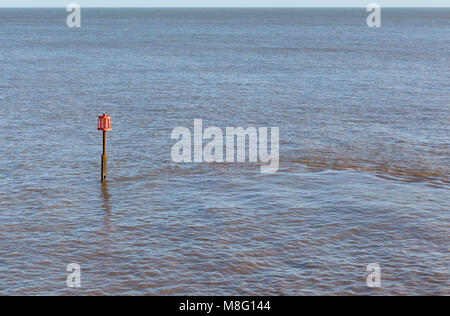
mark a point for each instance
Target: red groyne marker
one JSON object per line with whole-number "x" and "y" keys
{"x": 104, "y": 124}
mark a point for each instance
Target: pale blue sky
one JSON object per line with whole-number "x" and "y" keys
{"x": 225, "y": 3}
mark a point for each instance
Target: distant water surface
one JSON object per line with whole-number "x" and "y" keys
{"x": 364, "y": 151}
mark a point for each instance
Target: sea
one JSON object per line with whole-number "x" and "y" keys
{"x": 364, "y": 152}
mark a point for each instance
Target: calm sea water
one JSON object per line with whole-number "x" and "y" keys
{"x": 364, "y": 152}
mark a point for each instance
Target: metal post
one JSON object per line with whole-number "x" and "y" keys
{"x": 104, "y": 159}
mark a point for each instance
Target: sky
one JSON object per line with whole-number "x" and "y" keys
{"x": 225, "y": 3}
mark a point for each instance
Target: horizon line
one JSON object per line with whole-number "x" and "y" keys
{"x": 223, "y": 7}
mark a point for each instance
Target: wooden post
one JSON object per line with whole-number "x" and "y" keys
{"x": 104, "y": 159}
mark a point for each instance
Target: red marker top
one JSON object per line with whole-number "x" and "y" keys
{"x": 104, "y": 123}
